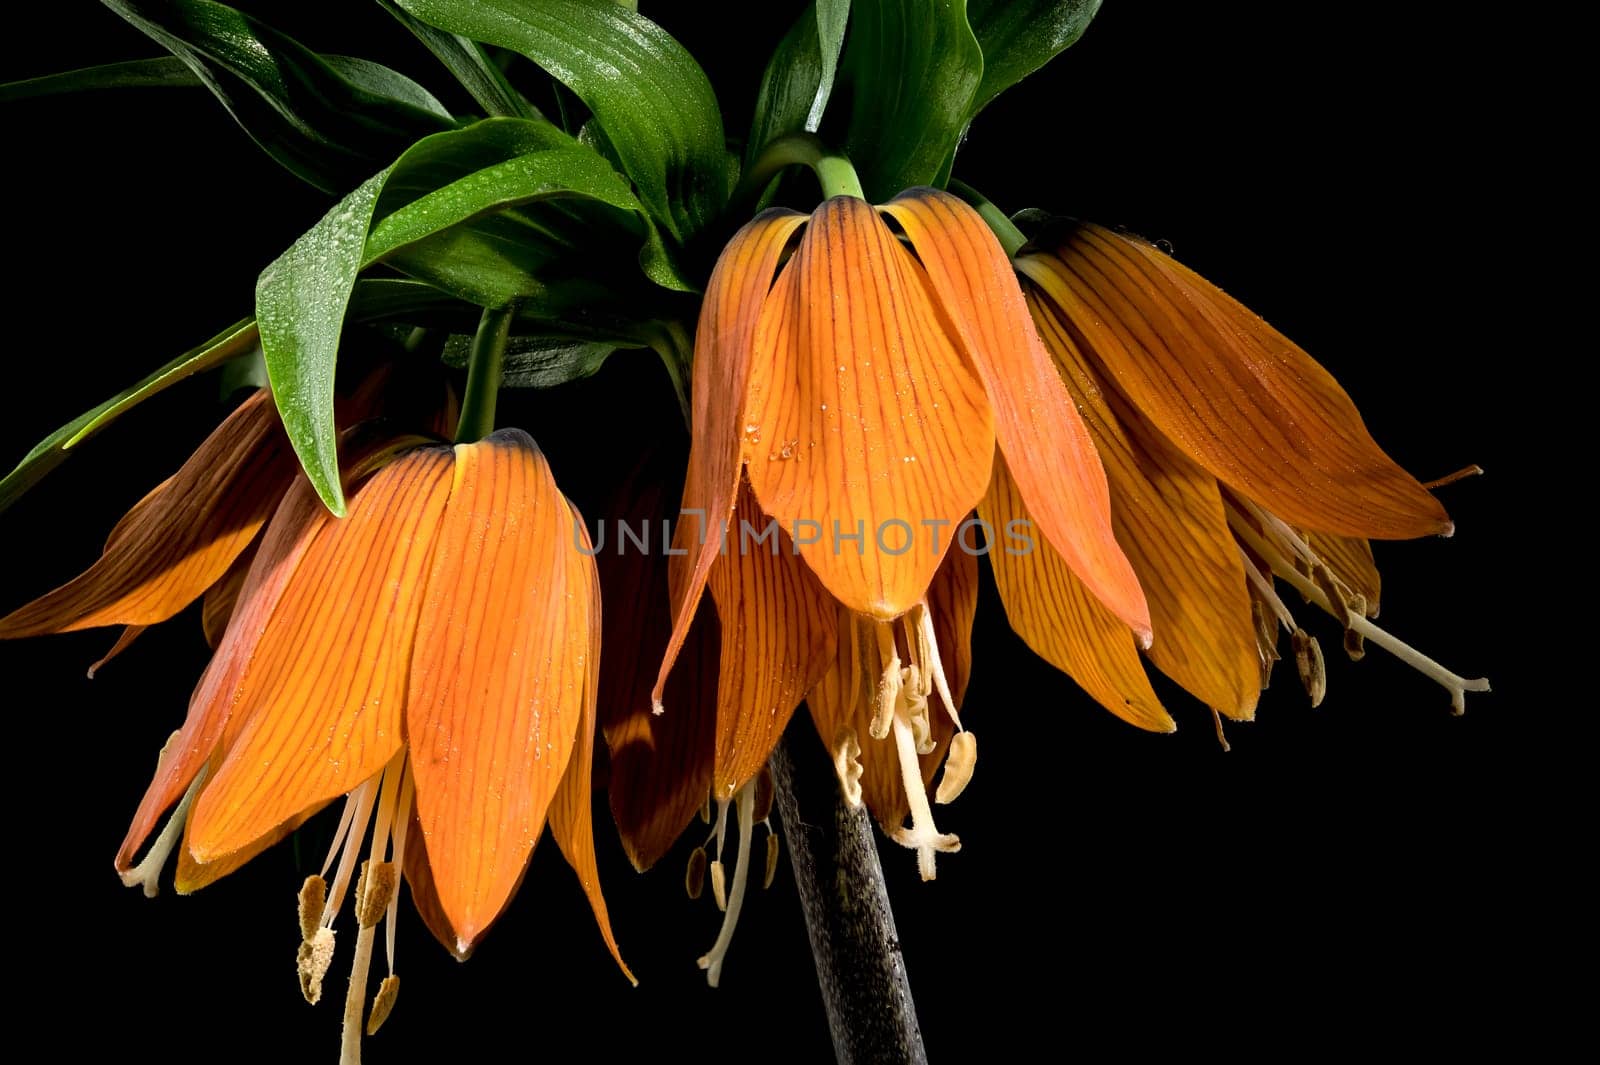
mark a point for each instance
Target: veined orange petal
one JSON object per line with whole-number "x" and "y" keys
{"x": 723, "y": 349}
{"x": 190, "y": 876}
{"x": 1054, "y": 613}
{"x": 298, "y": 520}
{"x": 660, "y": 763}
{"x": 1050, "y": 453}
{"x": 1233, "y": 393}
{"x": 321, "y": 703}
{"x": 1168, "y": 516}
{"x": 220, "y": 599}
{"x": 571, "y": 814}
{"x": 181, "y": 537}
{"x": 1351, "y": 560}
{"x": 425, "y": 896}
{"x": 866, "y": 421}
{"x": 777, "y": 642}
{"x": 953, "y": 603}
{"x": 498, "y": 673}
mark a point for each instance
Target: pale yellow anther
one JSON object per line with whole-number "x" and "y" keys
{"x": 316, "y": 954}
{"x": 1337, "y": 594}
{"x": 694, "y": 877}
{"x": 958, "y": 766}
{"x": 373, "y": 891}
{"x": 772, "y": 861}
{"x": 1355, "y": 645}
{"x": 705, "y": 810}
{"x": 1308, "y": 660}
{"x": 383, "y": 1003}
{"x": 847, "y": 764}
{"x": 312, "y": 899}
{"x": 719, "y": 886}
{"x": 889, "y": 683}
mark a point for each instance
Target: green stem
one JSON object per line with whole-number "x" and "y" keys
{"x": 675, "y": 345}
{"x": 483, "y": 374}
{"x": 1011, "y": 238}
{"x": 834, "y": 172}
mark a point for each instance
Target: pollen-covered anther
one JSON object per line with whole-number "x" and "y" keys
{"x": 1308, "y": 660}
{"x": 383, "y": 1003}
{"x": 889, "y": 683}
{"x": 1335, "y": 591}
{"x": 313, "y": 899}
{"x": 1355, "y": 645}
{"x": 694, "y": 877}
{"x": 923, "y": 836}
{"x": 316, "y": 954}
{"x": 719, "y": 886}
{"x": 958, "y": 766}
{"x": 771, "y": 869}
{"x": 373, "y": 892}
{"x": 847, "y": 764}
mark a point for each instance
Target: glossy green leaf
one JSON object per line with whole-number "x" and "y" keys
{"x": 913, "y": 68}
{"x": 1020, "y": 36}
{"x": 539, "y": 362}
{"x": 426, "y": 201}
{"x": 652, "y": 99}
{"x": 799, "y": 78}
{"x": 164, "y": 72}
{"x": 329, "y": 124}
{"x": 471, "y": 66}
{"x": 53, "y": 450}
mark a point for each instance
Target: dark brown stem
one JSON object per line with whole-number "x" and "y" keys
{"x": 870, "y": 1010}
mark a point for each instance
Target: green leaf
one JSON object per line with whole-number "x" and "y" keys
{"x": 54, "y": 449}
{"x": 426, "y": 201}
{"x": 540, "y": 362}
{"x": 799, "y": 77}
{"x": 1020, "y": 36}
{"x": 166, "y": 72}
{"x": 331, "y": 125}
{"x": 913, "y": 68}
{"x": 471, "y": 66}
{"x": 652, "y": 99}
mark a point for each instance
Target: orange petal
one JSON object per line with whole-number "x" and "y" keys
{"x": 320, "y": 703}
{"x": 723, "y": 348}
{"x": 181, "y": 537}
{"x": 1351, "y": 560}
{"x": 1232, "y": 392}
{"x": 498, "y": 673}
{"x": 220, "y": 599}
{"x": 1168, "y": 516}
{"x": 1056, "y": 616}
{"x": 190, "y": 876}
{"x": 124, "y": 641}
{"x": 425, "y": 896}
{"x": 1044, "y": 440}
{"x": 953, "y": 602}
{"x": 868, "y": 422}
{"x": 571, "y": 816}
{"x": 777, "y": 643}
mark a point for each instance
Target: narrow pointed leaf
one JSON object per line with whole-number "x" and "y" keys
{"x": 53, "y": 450}
{"x": 653, "y": 101}
{"x": 1020, "y": 36}
{"x": 799, "y": 78}
{"x": 913, "y": 69}
{"x": 329, "y": 126}
{"x": 469, "y": 64}
{"x": 164, "y": 72}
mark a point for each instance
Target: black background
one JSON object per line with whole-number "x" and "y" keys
{"x": 1375, "y": 871}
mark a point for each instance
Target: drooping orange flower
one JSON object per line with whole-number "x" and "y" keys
{"x": 432, "y": 659}
{"x": 1232, "y": 456}
{"x": 853, "y": 393}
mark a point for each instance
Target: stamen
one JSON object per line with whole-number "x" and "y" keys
{"x": 1263, "y": 588}
{"x": 772, "y": 860}
{"x": 705, "y": 809}
{"x": 1308, "y": 660}
{"x": 847, "y": 764}
{"x": 712, "y": 961}
{"x": 316, "y": 955}
{"x": 889, "y": 682}
{"x": 383, "y": 1003}
{"x": 372, "y": 898}
{"x": 1456, "y": 685}
{"x": 313, "y": 899}
{"x": 722, "y": 824}
{"x": 719, "y": 885}
{"x": 1216, "y": 719}
{"x": 147, "y": 874}
{"x": 958, "y": 766}
{"x": 1337, "y": 595}
{"x": 932, "y": 664}
{"x": 694, "y": 878}
{"x": 402, "y": 827}
{"x": 354, "y": 826}
{"x": 1451, "y": 478}
{"x": 922, "y": 836}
